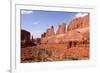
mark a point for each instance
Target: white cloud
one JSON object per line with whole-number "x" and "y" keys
{"x": 35, "y": 23}
{"x": 26, "y": 12}
{"x": 80, "y": 15}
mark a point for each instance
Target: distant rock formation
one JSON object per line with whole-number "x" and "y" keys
{"x": 61, "y": 28}
{"x": 25, "y": 39}
{"x": 43, "y": 35}
{"x": 25, "y": 35}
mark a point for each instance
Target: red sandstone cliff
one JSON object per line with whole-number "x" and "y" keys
{"x": 78, "y": 30}
{"x": 50, "y": 31}
{"x": 61, "y": 28}
{"x": 80, "y": 22}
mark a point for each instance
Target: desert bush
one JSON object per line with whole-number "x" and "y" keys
{"x": 41, "y": 54}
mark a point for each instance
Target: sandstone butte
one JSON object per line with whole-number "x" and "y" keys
{"x": 77, "y": 30}
{"x": 72, "y": 41}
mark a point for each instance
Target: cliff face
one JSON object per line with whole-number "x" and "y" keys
{"x": 77, "y": 31}
{"x": 86, "y": 21}
{"x": 50, "y": 31}
{"x": 61, "y": 28}
{"x": 25, "y": 39}
{"x": 80, "y": 22}
{"x": 25, "y": 35}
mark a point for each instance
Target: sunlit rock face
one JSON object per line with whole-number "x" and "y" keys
{"x": 50, "y": 31}
{"x": 77, "y": 30}
{"x": 61, "y": 28}
{"x": 80, "y": 22}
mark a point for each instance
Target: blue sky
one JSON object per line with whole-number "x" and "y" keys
{"x": 37, "y": 21}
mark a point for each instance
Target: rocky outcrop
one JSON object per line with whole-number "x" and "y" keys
{"x": 75, "y": 24}
{"x": 77, "y": 33}
{"x": 78, "y": 36}
{"x": 43, "y": 35}
{"x": 25, "y": 39}
{"x": 25, "y": 35}
{"x": 50, "y": 31}
{"x": 86, "y": 21}
{"x": 80, "y": 22}
{"x": 61, "y": 28}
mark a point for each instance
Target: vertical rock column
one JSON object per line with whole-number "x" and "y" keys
{"x": 61, "y": 28}
{"x": 50, "y": 31}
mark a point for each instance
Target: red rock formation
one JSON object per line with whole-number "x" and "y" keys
{"x": 75, "y": 35}
{"x": 75, "y": 24}
{"x": 80, "y": 22}
{"x": 25, "y": 35}
{"x": 43, "y": 35}
{"x": 25, "y": 39}
{"x": 86, "y": 21}
{"x": 50, "y": 31}
{"x": 61, "y": 28}
{"x": 78, "y": 32}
